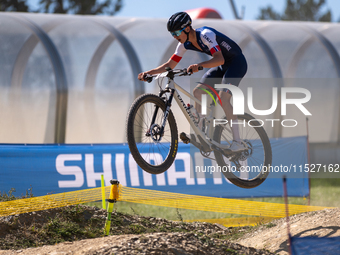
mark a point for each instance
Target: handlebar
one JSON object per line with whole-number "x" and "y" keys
{"x": 148, "y": 78}
{"x": 170, "y": 73}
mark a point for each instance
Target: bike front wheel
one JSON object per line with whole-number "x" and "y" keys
{"x": 153, "y": 150}
{"x": 247, "y": 169}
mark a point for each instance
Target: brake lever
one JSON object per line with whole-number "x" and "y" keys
{"x": 148, "y": 78}
{"x": 191, "y": 72}
{"x": 184, "y": 72}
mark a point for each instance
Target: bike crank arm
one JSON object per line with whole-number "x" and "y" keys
{"x": 223, "y": 152}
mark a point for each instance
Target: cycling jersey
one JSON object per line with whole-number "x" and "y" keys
{"x": 210, "y": 41}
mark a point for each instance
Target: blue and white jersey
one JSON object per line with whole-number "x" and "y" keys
{"x": 210, "y": 41}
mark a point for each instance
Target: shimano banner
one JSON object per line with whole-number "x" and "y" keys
{"x": 61, "y": 168}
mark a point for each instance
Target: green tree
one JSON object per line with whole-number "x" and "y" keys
{"x": 269, "y": 14}
{"x": 304, "y": 10}
{"x": 13, "y": 6}
{"x": 109, "y": 7}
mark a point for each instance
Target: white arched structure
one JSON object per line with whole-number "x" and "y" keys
{"x": 71, "y": 79}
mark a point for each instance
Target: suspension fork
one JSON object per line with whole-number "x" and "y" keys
{"x": 166, "y": 112}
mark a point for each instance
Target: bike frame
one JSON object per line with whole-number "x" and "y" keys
{"x": 205, "y": 140}
{"x": 224, "y": 155}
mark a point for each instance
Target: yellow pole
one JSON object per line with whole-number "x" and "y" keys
{"x": 103, "y": 193}
{"x": 114, "y": 195}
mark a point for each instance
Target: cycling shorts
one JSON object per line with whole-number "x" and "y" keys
{"x": 227, "y": 74}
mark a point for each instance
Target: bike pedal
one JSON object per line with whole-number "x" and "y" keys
{"x": 183, "y": 136}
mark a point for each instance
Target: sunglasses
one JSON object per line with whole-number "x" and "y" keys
{"x": 177, "y": 33}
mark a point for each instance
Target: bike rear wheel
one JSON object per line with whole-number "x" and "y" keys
{"x": 153, "y": 152}
{"x": 250, "y": 168}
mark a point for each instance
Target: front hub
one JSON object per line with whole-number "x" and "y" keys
{"x": 155, "y": 132}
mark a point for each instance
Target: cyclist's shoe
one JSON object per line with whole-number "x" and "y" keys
{"x": 237, "y": 147}
{"x": 184, "y": 138}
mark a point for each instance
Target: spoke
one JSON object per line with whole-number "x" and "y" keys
{"x": 147, "y": 146}
{"x": 256, "y": 160}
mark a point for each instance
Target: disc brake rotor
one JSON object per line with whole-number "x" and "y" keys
{"x": 155, "y": 131}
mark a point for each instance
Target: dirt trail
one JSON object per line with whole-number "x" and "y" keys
{"x": 273, "y": 236}
{"x": 267, "y": 239}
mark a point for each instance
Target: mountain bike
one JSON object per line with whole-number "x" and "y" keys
{"x": 152, "y": 135}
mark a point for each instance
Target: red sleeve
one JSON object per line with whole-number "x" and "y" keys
{"x": 176, "y": 58}
{"x": 180, "y": 50}
{"x": 215, "y": 49}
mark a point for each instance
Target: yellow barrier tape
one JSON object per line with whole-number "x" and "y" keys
{"x": 237, "y": 222}
{"x": 51, "y": 201}
{"x": 212, "y": 204}
{"x": 153, "y": 197}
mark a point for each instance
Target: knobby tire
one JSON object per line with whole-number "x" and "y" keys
{"x": 144, "y": 149}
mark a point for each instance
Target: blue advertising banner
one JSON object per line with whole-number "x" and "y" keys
{"x": 62, "y": 168}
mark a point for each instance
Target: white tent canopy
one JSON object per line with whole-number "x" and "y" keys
{"x": 68, "y": 78}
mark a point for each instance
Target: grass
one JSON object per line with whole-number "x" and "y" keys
{"x": 68, "y": 224}
{"x": 80, "y": 222}
{"x": 280, "y": 200}
{"x": 72, "y": 223}
{"x": 270, "y": 225}
{"x": 10, "y": 196}
{"x": 324, "y": 192}
{"x": 165, "y": 212}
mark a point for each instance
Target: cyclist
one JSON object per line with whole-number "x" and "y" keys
{"x": 227, "y": 65}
